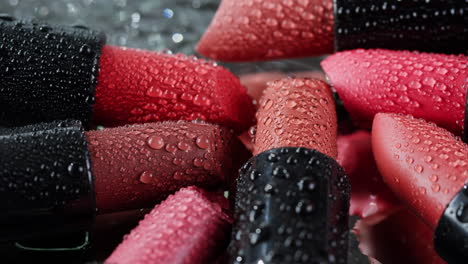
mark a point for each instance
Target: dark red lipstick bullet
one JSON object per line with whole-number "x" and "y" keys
{"x": 54, "y": 176}
{"x": 53, "y": 72}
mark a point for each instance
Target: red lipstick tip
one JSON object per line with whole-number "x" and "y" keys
{"x": 425, "y": 85}
{"x": 245, "y": 30}
{"x": 139, "y": 86}
{"x": 297, "y": 113}
{"x": 423, "y": 164}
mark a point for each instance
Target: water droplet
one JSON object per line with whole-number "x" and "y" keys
{"x": 198, "y": 162}
{"x": 415, "y": 84}
{"x": 177, "y": 161}
{"x": 171, "y": 148}
{"x": 178, "y": 175}
{"x": 288, "y": 24}
{"x": 86, "y": 50}
{"x": 435, "y": 187}
{"x": 429, "y": 81}
{"x": 304, "y": 207}
{"x": 156, "y": 142}
{"x": 203, "y": 142}
{"x": 462, "y": 213}
{"x": 146, "y": 177}
{"x": 267, "y": 104}
{"x": 154, "y": 92}
{"x": 271, "y": 22}
{"x": 306, "y": 184}
{"x": 291, "y": 103}
{"x": 268, "y": 188}
{"x": 428, "y": 159}
{"x": 434, "y": 178}
{"x": 441, "y": 71}
{"x": 201, "y": 100}
{"x": 422, "y": 190}
{"x": 418, "y": 168}
{"x": 184, "y": 146}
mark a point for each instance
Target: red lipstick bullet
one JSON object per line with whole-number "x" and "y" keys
{"x": 54, "y": 72}
{"x": 55, "y": 176}
{"x": 426, "y": 85}
{"x": 188, "y": 227}
{"x": 427, "y": 168}
{"x": 245, "y": 30}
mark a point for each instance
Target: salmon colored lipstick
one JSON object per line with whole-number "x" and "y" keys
{"x": 297, "y": 113}
{"x": 285, "y": 193}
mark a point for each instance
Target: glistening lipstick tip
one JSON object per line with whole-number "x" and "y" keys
{"x": 423, "y": 164}
{"x": 297, "y": 113}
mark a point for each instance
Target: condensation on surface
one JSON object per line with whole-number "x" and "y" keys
{"x": 176, "y": 25}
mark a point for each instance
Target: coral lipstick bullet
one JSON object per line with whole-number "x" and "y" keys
{"x": 55, "y": 176}
{"x": 53, "y": 72}
{"x": 426, "y": 167}
{"x": 245, "y": 30}
{"x": 292, "y": 197}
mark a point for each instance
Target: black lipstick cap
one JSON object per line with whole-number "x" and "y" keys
{"x": 451, "y": 234}
{"x": 291, "y": 207}
{"x": 46, "y": 184}
{"x": 432, "y": 26}
{"x": 47, "y": 72}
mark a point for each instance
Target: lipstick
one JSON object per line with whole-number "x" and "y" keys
{"x": 55, "y": 176}
{"x": 426, "y": 85}
{"x": 402, "y": 237}
{"x": 54, "y": 72}
{"x": 244, "y": 30}
{"x": 292, "y": 199}
{"x": 371, "y": 199}
{"x": 188, "y": 227}
{"x": 426, "y": 167}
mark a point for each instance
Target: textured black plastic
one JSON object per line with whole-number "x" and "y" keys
{"x": 425, "y": 25}
{"x": 47, "y": 72}
{"x": 291, "y": 207}
{"x": 451, "y": 235}
{"x": 46, "y": 183}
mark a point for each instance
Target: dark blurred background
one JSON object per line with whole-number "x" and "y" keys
{"x": 175, "y": 25}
